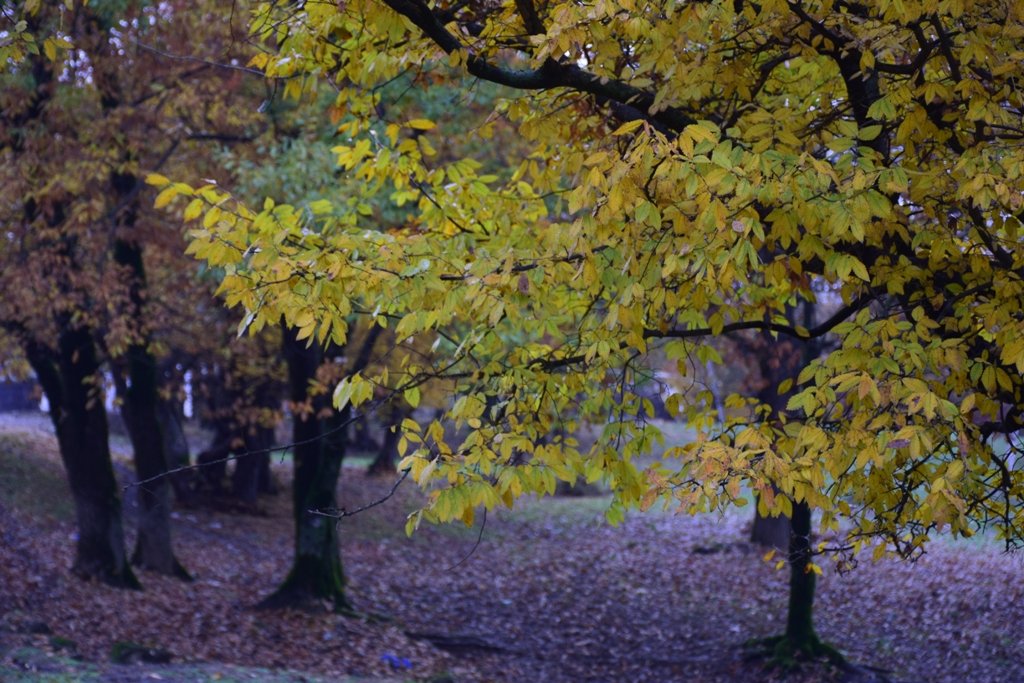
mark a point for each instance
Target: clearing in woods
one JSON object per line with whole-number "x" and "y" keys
{"x": 551, "y": 593}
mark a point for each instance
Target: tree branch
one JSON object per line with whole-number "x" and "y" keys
{"x": 768, "y": 326}
{"x": 550, "y": 75}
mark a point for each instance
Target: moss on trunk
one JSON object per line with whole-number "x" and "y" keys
{"x": 800, "y": 641}
{"x": 316, "y": 577}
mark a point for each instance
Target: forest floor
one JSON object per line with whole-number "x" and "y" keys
{"x": 548, "y": 593}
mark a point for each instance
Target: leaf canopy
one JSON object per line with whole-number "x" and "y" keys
{"x": 691, "y": 170}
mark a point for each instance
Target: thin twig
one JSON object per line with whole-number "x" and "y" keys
{"x": 341, "y": 513}
{"x": 200, "y": 60}
{"x": 282, "y": 447}
{"x": 479, "y": 538}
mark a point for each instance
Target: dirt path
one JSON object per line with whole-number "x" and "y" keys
{"x": 550, "y": 594}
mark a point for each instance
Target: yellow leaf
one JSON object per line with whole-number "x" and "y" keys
{"x": 420, "y": 124}
{"x": 194, "y": 208}
{"x": 628, "y": 127}
{"x": 412, "y": 396}
{"x": 165, "y": 197}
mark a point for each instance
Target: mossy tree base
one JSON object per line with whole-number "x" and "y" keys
{"x": 293, "y": 595}
{"x": 316, "y": 580}
{"x": 783, "y": 652}
{"x": 121, "y": 577}
{"x": 176, "y": 569}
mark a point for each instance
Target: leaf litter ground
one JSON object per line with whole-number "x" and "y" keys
{"x": 550, "y": 593}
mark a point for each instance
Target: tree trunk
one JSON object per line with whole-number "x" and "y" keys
{"x": 316, "y": 577}
{"x": 266, "y": 483}
{"x": 779, "y": 361}
{"x": 176, "y": 448}
{"x": 69, "y": 379}
{"x": 251, "y": 476}
{"x": 362, "y": 440}
{"x": 799, "y": 641}
{"x": 771, "y": 532}
{"x": 216, "y": 415}
{"x": 394, "y": 412}
{"x": 213, "y": 466}
{"x": 799, "y": 622}
{"x": 384, "y": 462}
{"x": 153, "y": 548}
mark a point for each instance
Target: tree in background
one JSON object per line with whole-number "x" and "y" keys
{"x": 240, "y": 386}
{"x": 695, "y": 170}
{"x": 82, "y": 119}
{"x": 298, "y": 164}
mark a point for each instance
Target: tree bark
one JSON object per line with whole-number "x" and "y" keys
{"x": 69, "y": 379}
{"x": 362, "y": 440}
{"x": 153, "y": 547}
{"x": 771, "y": 532}
{"x": 779, "y": 361}
{"x": 252, "y": 476}
{"x": 316, "y": 577}
{"x": 177, "y": 450}
{"x": 799, "y": 619}
{"x": 385, "y": 461}
{"x": 799, "y": 641}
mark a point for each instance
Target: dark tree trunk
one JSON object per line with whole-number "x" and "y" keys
{"x": 799, "y": 622}
{"x": 153, "y": 548}
{"x": 336, "y": 433}
{"x": 799, "y": 641}
{"x": 176, "y": 448}
{"x": 771, "y": 532}
{"x": 265, "y": 482}
{"x": 69, "y": 379}
{"x": 217, "y": 416}
{"x": 316, "y": 577}
{"x": 782, "y": 360}
{"x": 252, "y": 476}
{"x": 778, "y": 361}
{"x": 385, "y": 462}
{"x": 213, "y": 464}
{"x": 362, "y": 441}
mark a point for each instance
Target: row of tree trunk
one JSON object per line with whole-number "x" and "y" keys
{"x": 70, "y": 375}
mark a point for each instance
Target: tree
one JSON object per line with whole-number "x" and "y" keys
{"x": 697, "y": 170}
{"x": 298, "y": 164}
{"x": 240, "y": 388}
{"x": 76, "y": 127}
{"x": 778, "y": 365}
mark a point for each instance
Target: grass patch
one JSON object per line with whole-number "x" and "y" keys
{"x": 32, "y": 665}
{"x": 30, "y": 481}
{"x": 357, "y": 460}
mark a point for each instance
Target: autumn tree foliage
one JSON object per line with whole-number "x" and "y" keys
{"x": 696, "y": 169}
{"x": 91, "y": 104}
